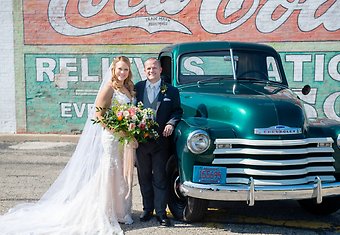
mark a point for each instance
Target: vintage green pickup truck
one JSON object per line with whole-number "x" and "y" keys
{"x": 245, "y": 135}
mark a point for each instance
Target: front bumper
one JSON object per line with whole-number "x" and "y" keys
{"x": 252, "y": 193}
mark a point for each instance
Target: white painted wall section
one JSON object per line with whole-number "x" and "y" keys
{"x": 7, "y": 77}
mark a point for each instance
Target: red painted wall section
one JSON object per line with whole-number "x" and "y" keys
{"x": 133, "y": 22}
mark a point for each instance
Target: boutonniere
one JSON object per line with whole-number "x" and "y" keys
{"x": 164, "y": 88}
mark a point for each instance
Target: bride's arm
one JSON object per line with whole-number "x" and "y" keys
{"x": 103, "y": 101}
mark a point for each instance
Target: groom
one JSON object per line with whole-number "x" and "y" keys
{"x": 153, "y": 155}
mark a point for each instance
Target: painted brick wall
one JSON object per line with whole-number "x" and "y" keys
{"x": 7, "y": 79}
{"x": 62, "y": 48}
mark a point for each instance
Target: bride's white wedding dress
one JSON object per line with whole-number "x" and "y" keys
{"x": 92, "y": 195}
{"x": 120, "y": 158}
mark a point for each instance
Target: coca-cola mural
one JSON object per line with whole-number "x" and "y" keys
{"x": 169, "y": 21}
{"x": 71, "y": 43}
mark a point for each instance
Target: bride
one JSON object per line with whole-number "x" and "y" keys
{"x": 92, "y": 195}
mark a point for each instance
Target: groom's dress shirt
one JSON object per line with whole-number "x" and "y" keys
{"x": 152, "y": 89}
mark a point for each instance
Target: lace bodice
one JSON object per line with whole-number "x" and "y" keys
{"x": 121, "y": 97}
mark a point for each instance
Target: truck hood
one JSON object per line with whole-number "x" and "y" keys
{"x": 242, "y": 107}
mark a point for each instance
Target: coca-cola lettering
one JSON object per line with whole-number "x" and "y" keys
{"x": 213, "y": 25}
{"x": 57, "y": 17}
{"x": 270, "y": 16}
{"x": 307, "y": 20}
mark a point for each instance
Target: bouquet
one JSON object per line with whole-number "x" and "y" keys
{"x": 135, "y": 122}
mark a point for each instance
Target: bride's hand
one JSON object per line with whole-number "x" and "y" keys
{"x": 122, "y": 134}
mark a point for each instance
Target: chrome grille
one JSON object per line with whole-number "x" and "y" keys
{"x": 275, "y": 162}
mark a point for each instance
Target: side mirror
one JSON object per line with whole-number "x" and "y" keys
{"x": 306, "y": 89}
{"x": 166, "y": 78}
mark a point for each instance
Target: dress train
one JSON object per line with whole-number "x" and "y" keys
{"x": 90, "y": 196}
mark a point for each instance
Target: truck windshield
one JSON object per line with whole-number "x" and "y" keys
{"x": 211, "y": 66}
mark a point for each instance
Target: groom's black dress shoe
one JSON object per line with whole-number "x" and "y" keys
{"x": 145, "y": 216}
{"x": 163, "y": 220}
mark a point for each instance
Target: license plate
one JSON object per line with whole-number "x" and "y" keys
{"x": 210, "y": 175}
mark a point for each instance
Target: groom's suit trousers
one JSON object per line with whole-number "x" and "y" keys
{"x": 153, "y": 184}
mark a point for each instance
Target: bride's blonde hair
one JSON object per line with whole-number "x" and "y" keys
{"x": 128, "y": 81}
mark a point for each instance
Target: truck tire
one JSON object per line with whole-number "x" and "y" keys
{"x": 195, "y": 209}
{"x": 177, "y": 201}
{"x": 328, "y": 206}
{"x": 183, "y": 208}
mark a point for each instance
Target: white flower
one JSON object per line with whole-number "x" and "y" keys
{"x": 134, "y": 117}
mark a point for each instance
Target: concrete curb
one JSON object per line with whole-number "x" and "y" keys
{"x": 39, "y": 137}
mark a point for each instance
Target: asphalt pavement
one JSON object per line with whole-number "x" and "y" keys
{"x": 30, "y": 163}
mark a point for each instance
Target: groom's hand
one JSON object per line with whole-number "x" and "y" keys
{"x": 168, "y": 130}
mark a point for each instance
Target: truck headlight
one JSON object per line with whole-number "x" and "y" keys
{"x": 338, "y": 141}
{"x": 198, "y": 141}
